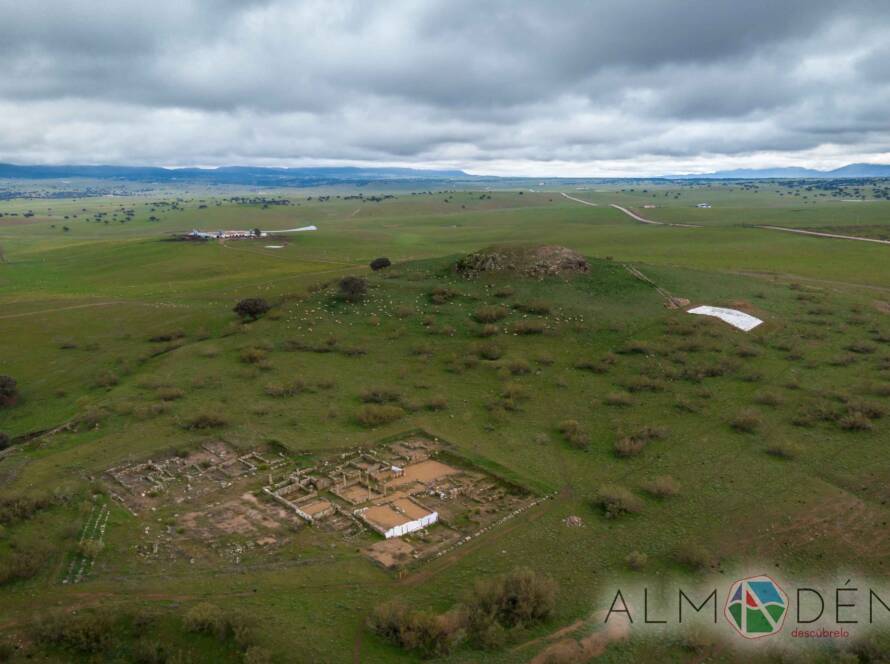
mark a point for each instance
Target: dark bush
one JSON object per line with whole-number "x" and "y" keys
{"x": 352, "y": 289}
{"x": 519, "y": 599}
{"x": 251, "y": 308}
{"x": 380, "y": 263}
{"x": 9, "y": 391}
{"x": 427, "y": 634}
{"x": 16, "y": 507}
{"x": 5, "y": 440}
{"x": 22, "y": 563}
{"x": 89, "y": 632}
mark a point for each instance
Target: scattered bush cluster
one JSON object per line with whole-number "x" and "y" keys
{"x": 495, "y": 609}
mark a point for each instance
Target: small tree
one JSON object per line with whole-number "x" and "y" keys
{"x": 9, "y": 391}
{"x": 251, "y": 308}
{"x": 380, "y": 263}
{"x": 353, "y": 289}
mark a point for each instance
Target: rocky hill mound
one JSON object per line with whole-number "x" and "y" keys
{"x": 532, "y": 261}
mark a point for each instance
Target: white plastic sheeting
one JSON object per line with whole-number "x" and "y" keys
{"x": 736, "y": 318}
{"x": 411, "y": 526}
{"x": 294, "y": 230}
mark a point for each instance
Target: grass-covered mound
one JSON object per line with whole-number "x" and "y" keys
{"x": 529, "y": 260}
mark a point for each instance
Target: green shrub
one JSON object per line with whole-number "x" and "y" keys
{"x": 783, "y": 450}
{"x": 442, "y": 295}
{"x": 88, "y": 632}
{"x": 519, "y": 367}
{"x": 522, "y": 598}
{"x": 616, "y": 501}
{"x": 643, "y": 384}
{"x": 280, "y": 390}
{"x": 23, "y": 562}
{"x": 375, "y": 415}
{"x": 489, "y": 314}
{"x": 106, "y": 379}
{"x": 693, "y": 557}
{"x": 663, "y": 486}
{"x": 170, "y": 393}
{"x": 747, "y": 421}
{"x": 425, "y": 633}
{"x": 252, "y": 355}
{"x": 379, "y": 395}
{"x": 574, "y": 434}
{"x": 618, "y": 399}
{"x": 206, "y": 420}
{"x": 636, "y": 560}
{"x": 538, "y": 307}
{"x": 854, "y": 421}
{"x": 436, "y": 403}
{"x": 525, "y": 327}
{"x": 768, "y": 399}
{"x": 636, "y": 348}
{"x": 628, "y": 446}
{"x": 489, "y": 351}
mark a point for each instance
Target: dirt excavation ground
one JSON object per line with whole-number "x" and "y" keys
{"x": 219, "y": 502}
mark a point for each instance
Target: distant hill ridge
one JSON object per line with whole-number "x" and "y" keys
{"x": 331, "y": 175}
{"x": 251, "y": 175}
{"x": 848, "y": 171}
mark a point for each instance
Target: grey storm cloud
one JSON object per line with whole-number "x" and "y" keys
{"x": 574, "y": 87}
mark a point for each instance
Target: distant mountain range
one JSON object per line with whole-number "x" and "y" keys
{"x": 320, "y": 176}
{"x": 230, "y": 175}
{"x": 793, "y": 172}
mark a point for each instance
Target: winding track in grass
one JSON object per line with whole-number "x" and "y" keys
{"x": 634, "y": 215}
{"x": 629, "y": 213}
{"x": 834, "y": 236}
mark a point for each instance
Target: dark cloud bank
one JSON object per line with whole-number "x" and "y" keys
{"x": 566, "y": 88}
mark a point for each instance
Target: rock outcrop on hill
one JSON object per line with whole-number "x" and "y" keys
{"x": 532, "y": 261}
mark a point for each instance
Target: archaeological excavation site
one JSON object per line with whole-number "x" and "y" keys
{"x": 400, "y": 502}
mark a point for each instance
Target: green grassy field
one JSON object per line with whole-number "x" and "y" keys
{"x": 800, "y": 403}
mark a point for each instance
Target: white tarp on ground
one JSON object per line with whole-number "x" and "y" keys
{"x": 411, "y": 526}
{"x": 734, "y": 317}
{"x": 294, "y": 230}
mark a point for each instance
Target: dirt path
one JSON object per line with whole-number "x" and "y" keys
{"x": 634, "y": 215}
{"x": 829, "y": 235}
{"x": 578, "y": 200}
{"x": 89, "y": 305}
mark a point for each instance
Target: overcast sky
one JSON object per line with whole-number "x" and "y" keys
{"x": 627, "y": 87}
